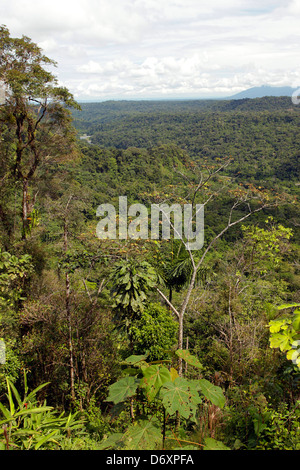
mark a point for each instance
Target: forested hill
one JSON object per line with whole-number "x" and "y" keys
{"x": 124, "y": 107}
{"x": 116, "y": 335}
{"x": 261, "y": 135}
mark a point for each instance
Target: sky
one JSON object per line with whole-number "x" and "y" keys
{"x": 162, "y": 49}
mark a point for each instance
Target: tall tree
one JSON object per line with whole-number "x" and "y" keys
{"x": 246, "y": 201}
{"x": 36, "y": 124}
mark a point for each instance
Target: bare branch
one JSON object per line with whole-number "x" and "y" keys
{"x": 87, "y": 291}
{"x": 228, "y": 226}
{"x": 168, "y": 302}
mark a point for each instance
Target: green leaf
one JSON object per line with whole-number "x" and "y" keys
{"x": 185, "y": 448}
{"x": 212, "y": 392}
{"x": 212, "y": 444}
{"x": 182, "y": 396}
{"x": 135, "y": 359}
{"x": 41, "y": 409}
{"x": 16, "y": 394}
{"x": 45, "y": 439}
{"x": 9, "y": 396}
{"x": 131, "y": 370}
{"x": 189, "y": 358}
{"x": 32, "y": 394}
{"x": 122, "y": 389}
{"x": 174, "y": 374}
{"x": 292, "y": 355}
{"x": 277, "y": 325}
{"x": 284, "y": 306}
{"x": 296, "y": 322}
{"x": 154, "y": 377}
{"x": 259, "y": 426}
{"x": 5, "y": 411}
{"x": 112, "y": 442}
{"x": 143, "y": 435}
{"x": 29, "y": 411}
{"x": 282, "y": 340}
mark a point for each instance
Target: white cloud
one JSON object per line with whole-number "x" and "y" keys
{"x": 294, "y": 7}
{"x": 144, "y": 48}
{"x": 85, "y": 21}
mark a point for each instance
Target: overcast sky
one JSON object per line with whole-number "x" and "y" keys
{"x": 144, "y": 49}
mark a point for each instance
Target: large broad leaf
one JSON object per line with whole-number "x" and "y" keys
{"x": 136, "y": 359}
{"x": 212, "y": 392}
{"x": 182, "y": 396}
{"x": 189, "y": 358}
{"x": 212, "y": 444}
{"x": 112, "y": 442}
{"x": 143, "y": 435}
{"x": 282, "y": 340}
{"x": 154, "y": 377}
{"x": 122, "y": 389}
{"x": 277, "y": 325}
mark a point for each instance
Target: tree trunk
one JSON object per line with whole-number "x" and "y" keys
{"x": 25, "y": 209}
{"x": 69, "y": 320}
{"x": 70, "y": 342}
{"x": 180, "y": 343}
{"x": 186, "y": 347}
{"x": 231, "y": 326}
{"x": 181, "y": 318}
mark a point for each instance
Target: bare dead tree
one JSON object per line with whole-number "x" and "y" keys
{"x": 250, "y": 199}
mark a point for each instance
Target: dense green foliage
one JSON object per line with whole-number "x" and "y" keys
{"x": 133, "y": 343}
{"x": 261, "y": 134}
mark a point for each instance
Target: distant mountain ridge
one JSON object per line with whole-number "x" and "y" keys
{"x": 262, "y": 91}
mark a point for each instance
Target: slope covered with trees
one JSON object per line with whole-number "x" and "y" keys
{"x": 144, "y": 343}
{"x": 261, "y": 135}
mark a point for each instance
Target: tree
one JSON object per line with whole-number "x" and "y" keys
{"x": 14, "y": 272}
{"x": 167, "y": 395}
{"x": 176, "y": 269}
{"x": 245, "y": 202}
{"x": 35, "y": 119}
{"x": 155, "y": 332}
{"x": 247, "y": 277}
{"x": 131, "y": 280}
